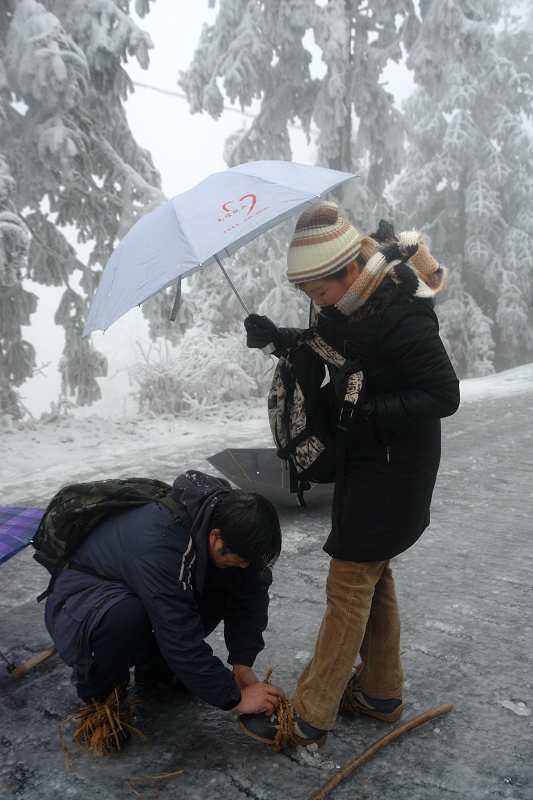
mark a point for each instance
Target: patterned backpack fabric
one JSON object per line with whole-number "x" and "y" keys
{"x": 315, "y": 391}
{"x": 76, "y": 510}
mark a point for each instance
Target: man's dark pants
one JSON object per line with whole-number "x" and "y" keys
{"x": 123, "y": 637}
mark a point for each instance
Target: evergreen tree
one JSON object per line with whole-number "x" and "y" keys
{"x": 260, "y": 52}
{"x": 17, "y": 357}
{"x": 261, "y": 55}
{"x": 67, "y": 158}
{"x": 468, "y": 179}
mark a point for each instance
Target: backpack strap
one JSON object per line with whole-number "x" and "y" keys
{"x": 177, "y": 508}
{"x": 297, "y": 485}
{"x": 172, "y": 503}
{"x": 348, "y": 405}
{"x": 325, "y": 351}
{"x": 341, "y": 441}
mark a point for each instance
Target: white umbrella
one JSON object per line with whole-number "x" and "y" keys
{"x": 203, "y": 225}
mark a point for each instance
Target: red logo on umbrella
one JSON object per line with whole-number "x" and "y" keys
{"x": 234, "y": 207}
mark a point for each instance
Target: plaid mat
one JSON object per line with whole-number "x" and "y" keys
{"x": 17, "y": 526}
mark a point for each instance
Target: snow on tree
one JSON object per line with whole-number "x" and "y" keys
{"x": 67, "y": 158}
{"x": 206, "y": 372}
{"x": 262, "y": 53}
{"x": 465, "y": 330}
{"x": 305, "y": 63}
{"x": 468, "y": 179}
{"x": 17, "y": 357}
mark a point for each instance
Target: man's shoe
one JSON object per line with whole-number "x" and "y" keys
{"x": 152, "y": 672}
{"x": 354, "y": 699}
{"x": 284, "y": 728}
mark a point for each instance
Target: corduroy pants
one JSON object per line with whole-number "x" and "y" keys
{"x": 362, "y": 618}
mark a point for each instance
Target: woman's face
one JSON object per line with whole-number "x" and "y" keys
{"x": 328, "y": 292}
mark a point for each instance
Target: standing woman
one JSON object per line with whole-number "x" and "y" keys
{"x": 373, "y": 301}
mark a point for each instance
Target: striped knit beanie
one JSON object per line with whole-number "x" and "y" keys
{"x": 323, "y": 243}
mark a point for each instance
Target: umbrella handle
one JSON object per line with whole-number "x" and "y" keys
{"x": 269, "y": 348}
{"x": 227, "y": 277}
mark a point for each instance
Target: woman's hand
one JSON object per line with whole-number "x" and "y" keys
{"x": 261, "y": 331}
{"x": 259, "y": 697}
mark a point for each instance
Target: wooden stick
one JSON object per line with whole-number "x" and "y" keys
{"x": 351, "y": 766}
{"x": 21, "y": 670}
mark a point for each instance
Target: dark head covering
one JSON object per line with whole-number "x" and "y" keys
{"x": 200, "y": 494}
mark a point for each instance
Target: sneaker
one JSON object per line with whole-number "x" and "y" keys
{"x": 294, "y": 730}
{"x": 354, "y": 699}
{"x": 152, "y": 672}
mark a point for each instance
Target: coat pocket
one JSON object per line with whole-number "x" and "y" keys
{"x": 74, "y": 624}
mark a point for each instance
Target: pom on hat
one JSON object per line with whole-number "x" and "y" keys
{"x": 323, "y": 243}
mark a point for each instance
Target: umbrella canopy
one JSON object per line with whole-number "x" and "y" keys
{"x": 17, "y": 527}
{"x": 202, "y": 225}
{"x": 261, "y": 470}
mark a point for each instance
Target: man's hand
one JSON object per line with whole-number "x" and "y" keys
{"x": 259, "y": 697}
{"x": 244, "y": 676}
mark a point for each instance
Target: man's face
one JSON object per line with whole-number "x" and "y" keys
{"x": 223, "y": 560}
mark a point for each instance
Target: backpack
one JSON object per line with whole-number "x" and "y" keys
{"x": 314, "y": 393}
{"x": 75, "y": 511}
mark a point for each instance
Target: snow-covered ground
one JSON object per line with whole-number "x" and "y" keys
{"x": 465, "y": 592}
{"x": 109, "y": 439}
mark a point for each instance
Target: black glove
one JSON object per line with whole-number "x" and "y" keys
{"x": 261, "y": 331}
{"x": 385, "y": 232}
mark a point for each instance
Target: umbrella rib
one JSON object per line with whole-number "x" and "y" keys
{"x": 217, "y": 259}
{"x": 241, "y": 469}
{"x": 168, "y": 247}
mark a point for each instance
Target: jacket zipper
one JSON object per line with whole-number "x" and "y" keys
{"x": 388, "y": 453}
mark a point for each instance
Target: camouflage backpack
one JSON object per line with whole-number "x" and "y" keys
{"x": 76, "y": 510}
{"x": 314, "y": 393}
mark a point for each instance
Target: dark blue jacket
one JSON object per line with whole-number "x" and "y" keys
{"x": 145, "y": 552}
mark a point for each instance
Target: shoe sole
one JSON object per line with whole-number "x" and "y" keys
{"x": 391, "y": 717}
{"x": 299, "y": 740}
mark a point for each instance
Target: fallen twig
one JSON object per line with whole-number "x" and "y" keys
{"x": 153, "y": 778}
{"x": 22, "y": 669}
{"x": 351, "y": 766}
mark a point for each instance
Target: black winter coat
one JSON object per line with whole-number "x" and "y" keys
{"x": 393, "y": 457}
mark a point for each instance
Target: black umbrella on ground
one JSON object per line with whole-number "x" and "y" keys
{"x": 261, "y": 470}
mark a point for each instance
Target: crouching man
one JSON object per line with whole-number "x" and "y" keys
{"x": 147, "y": 586}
